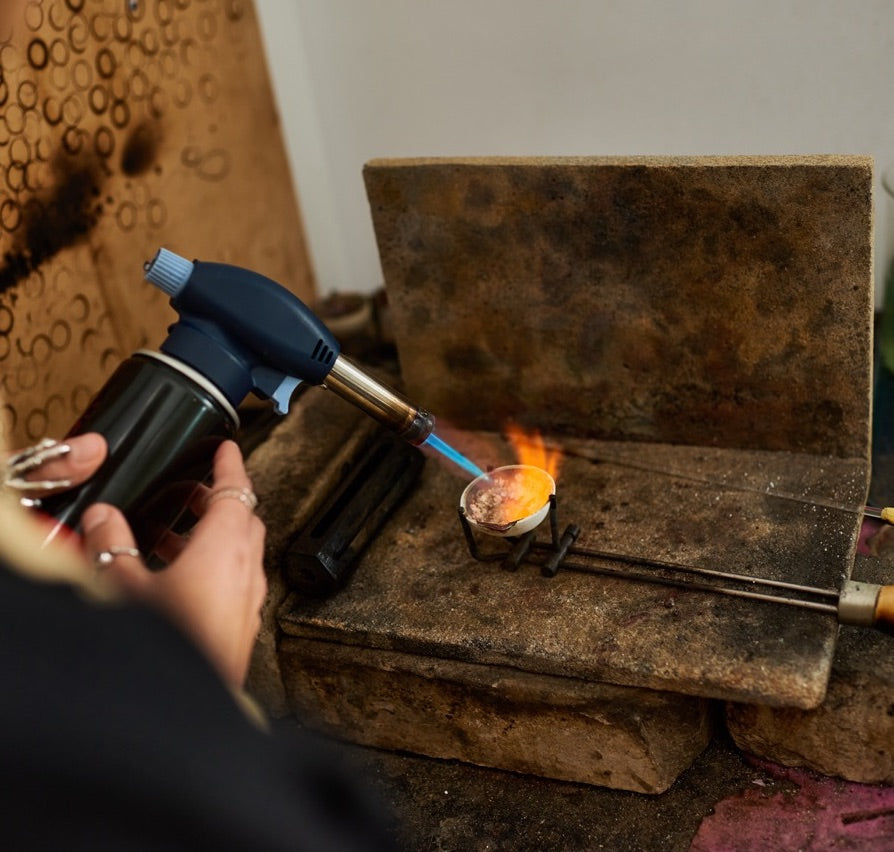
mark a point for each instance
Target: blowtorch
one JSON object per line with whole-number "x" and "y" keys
{"x": 164, "y": 413}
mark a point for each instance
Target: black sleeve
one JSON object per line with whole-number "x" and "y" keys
{"x": 117, "y": 734}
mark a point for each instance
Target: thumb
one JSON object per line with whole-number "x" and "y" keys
{"x": 106, "y": 531}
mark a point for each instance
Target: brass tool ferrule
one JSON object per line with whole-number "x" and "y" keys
{"x": 354, "y": 385}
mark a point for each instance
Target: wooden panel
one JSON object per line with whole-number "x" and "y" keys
{"x": 126, "y": 127}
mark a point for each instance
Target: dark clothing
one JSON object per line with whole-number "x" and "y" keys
{"x": 117, "y": 734}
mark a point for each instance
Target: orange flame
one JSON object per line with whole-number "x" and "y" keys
{"x": 528, "y": 492}
{"x": 530, "y": 449}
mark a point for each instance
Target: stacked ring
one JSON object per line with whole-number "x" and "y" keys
{"x": 106, "y": 557}
{"x": 245, "y": 496}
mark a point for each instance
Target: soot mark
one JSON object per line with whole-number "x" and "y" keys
{"x": 53, "y": 221}
{"x": 140, "y": 149}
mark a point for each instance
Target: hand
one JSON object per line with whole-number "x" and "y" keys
{"x": 215, "y": 586}
{"x": 51, "y": 467}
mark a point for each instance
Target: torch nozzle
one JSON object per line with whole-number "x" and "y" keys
{"x": 354, "y": 385}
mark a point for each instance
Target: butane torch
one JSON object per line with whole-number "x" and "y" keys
{"x": 164, "y": 413}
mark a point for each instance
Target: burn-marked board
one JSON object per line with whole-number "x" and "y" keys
{"x": 125, "y": 127}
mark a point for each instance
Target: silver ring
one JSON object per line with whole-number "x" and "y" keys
{"x": 106, "y": 557}
{"x": 245, "y": 496}
{"x": 23, "y": 462}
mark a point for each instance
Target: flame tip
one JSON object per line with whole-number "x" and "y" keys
{"x": 531, "y": 449}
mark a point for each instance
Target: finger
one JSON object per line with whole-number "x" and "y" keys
{"x": 87, "y": 452}
{"x": 231, "y": 487}
{"x": 229, "y": 469}
{"x": 104, "y": 528}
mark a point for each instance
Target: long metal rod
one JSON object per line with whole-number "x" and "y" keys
{"x": 694, "y": 585}
{"x": 705, "y": 572}
{"x": 854, "y": 508}
{"x": 661, "y": 579}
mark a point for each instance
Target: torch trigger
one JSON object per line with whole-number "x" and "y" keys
{"x": 274, "y": 385}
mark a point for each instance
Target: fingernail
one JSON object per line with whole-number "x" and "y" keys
{"x": 94, "y": 516}
{"x": 87, "y": 446}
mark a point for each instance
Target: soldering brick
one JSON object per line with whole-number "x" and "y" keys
{"x": 563, "y": 728}
{"x": 851, "y": 734}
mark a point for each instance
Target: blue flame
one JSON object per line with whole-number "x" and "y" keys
{"x": 455, "y": 456}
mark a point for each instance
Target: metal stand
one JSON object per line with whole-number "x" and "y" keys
{"x": 522, "y": 547}
{"x": 645, "y": 569}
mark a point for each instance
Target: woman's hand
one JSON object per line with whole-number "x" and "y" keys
{"x": 215, "y": 586}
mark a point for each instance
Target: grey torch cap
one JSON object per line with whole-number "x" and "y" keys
{"x": 168, "y": 271}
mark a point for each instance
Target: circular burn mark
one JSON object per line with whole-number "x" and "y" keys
{"x": 60, "y": 335}
{"x": 73, "y": 109}
{"x": 101, "y": 27}
{"x": 157, "y": 213}
{"x": 52, "y": 111}
{"x": 59, "y": 52}
{"x": 27, "y": 94}
{"x": 10, "y": 417}
{"x": 58, "y": 17}
{"x": 126, "y": 216}
{"x": 14, "y": 119}
{"x": 212, "y": 165}
{"x": 15, "y": 177}
{"x": 80, "y": 398}
{"x": 98, "y": 99}
{"x": 139, "y": 86}
{"x": 10, "y": 217}
{"x": 120, "y": 113}
{"x": 36, "y": 424}
{"x": 78, "y": 34}
{"x": 27, "y": 375}
{"x": 82, "y": 75}
{"x": 37, "y": 53}
{"x": 20, "y": 151}
{"x": 104, "y": 142}
{"x": 105, "y": 63}
{"x": 80, "y": 308}
{"x": 7, "y": 320}
{"x": 72, "y": 140}
{"x": 33, "y": 15}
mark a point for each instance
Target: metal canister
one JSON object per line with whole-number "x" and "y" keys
{"x": 163, "y": 422}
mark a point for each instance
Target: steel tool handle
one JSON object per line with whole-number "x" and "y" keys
{"x": 867, "y": 605}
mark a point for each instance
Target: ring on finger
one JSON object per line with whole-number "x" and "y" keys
{"x": 106, "y": 557}
{"x": 23, "y": 462}
{"x": 245, "y": 496}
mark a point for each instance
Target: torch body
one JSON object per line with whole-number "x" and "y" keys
{"x": 164, "y": 413}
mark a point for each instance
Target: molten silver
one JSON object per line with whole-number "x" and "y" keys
{"x": 490, "y": 482}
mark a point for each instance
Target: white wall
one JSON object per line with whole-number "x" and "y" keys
{"x": 357, "y": 79}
